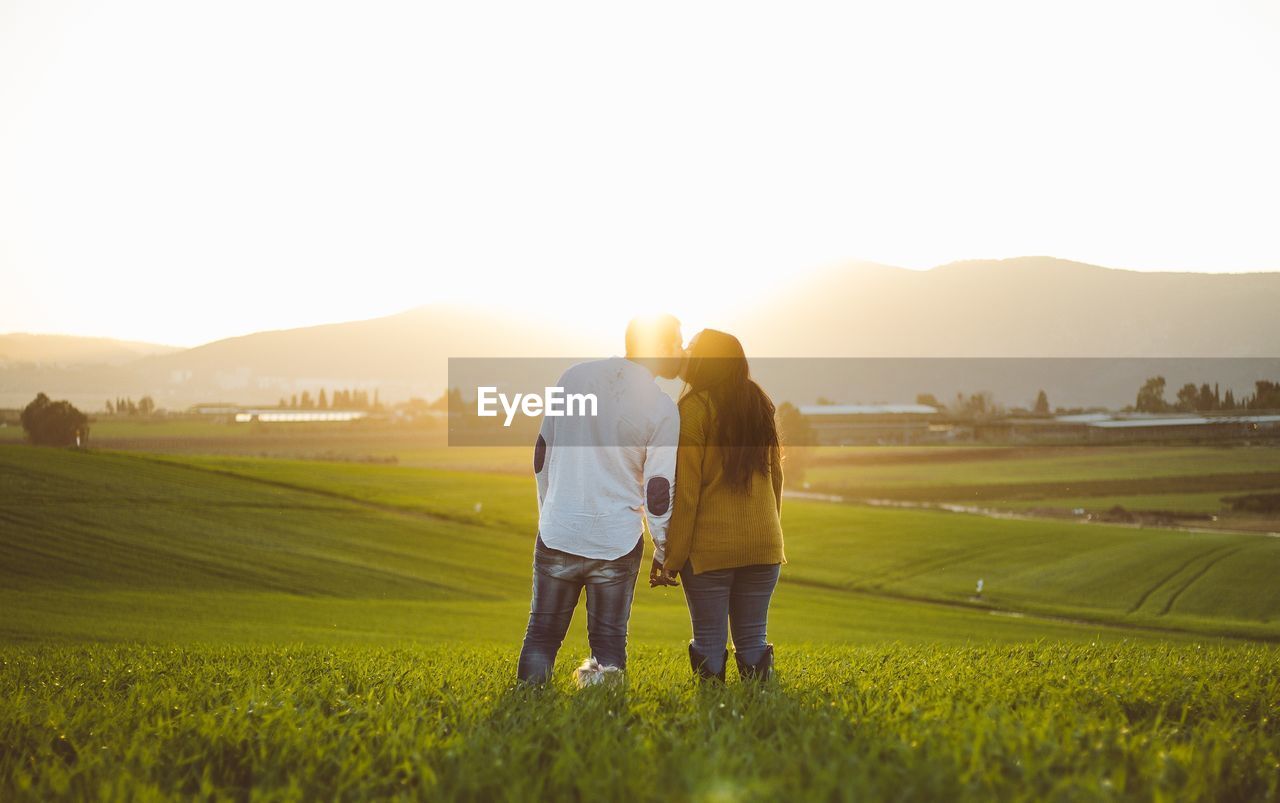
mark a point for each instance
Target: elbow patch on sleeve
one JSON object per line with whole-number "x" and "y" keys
{"x": 539, "y": 454}
{"x": 658, "y": 495}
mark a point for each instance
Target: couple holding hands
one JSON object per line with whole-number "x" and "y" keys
{"x": 706, "y": 475}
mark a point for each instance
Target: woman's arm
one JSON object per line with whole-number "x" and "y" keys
{"x": 689, "y": 456}
{"x": 775, "y": 474}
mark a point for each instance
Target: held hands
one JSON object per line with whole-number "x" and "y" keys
{"x": 659, "y": 576}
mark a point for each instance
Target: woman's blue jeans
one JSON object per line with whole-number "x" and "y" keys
{"x": 729, "y": 599}
{"x": 558, "y": 580}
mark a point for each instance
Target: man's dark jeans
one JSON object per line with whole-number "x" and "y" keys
{"x": 558, "y": 580}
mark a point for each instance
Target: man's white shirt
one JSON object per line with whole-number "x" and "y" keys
{"x": 600, "y": 476}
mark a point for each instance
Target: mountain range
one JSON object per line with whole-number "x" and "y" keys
{"x": 1035, "y": 307}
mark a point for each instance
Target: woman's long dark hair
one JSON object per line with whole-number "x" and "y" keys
{"x": 743, "y": 423}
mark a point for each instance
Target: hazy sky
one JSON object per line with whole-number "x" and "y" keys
{"x": 180, "y": 171}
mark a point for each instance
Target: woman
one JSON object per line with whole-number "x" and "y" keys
{"x": 725, "y": 535}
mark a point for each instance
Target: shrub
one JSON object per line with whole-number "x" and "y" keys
{"x": 50, "y": 423}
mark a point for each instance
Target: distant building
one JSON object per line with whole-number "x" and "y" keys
{"x": 1184, "y": 428}
{"x": 277, "y": 415}
{"x": 888, "y": 424}
{"x": 215, "y": 408}
{"x": 849, "y": 424}
{"x": 1031, "y": 430}
{"x": 1127, "y": 428}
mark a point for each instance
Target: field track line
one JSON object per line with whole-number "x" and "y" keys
{"x": 1168, "y": 605}
{"x": 1025, "y": 614}
{"x": 1005, "y": 515}
{"x": 900, "y": 572}
{"x": 995, "y": 491}
{"x": 354, "y": 500}
{"x": 1182, "y": 567}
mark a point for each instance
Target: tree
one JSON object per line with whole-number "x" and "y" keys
{"x": 111, "y": 408}
{"x": 323, "y": 403}
{"x": 1266, "y": 395}
{"x": 1207, "y": 399}
{"x": 1042, "y": 404}
{"x": 930, "y": 400}
{"x": 146, "y": 405}
{"x": 1188, "y": 397}
{"x": 305, "y": 402}
{"x": 50, "y": 423}
{"x": 1151, "y": 396}
{"x": 451, "y": 400}
{"x": 797, "y": 438}
{"x": 293, "y": 401}
{"x": 976, "y": 405}
{"x": 1229, "y": 400}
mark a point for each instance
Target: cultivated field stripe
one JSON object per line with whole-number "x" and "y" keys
{"x": 1182, "y": 567}
{"x": 1168, "y": 605}
{"x": 311, "y": 489}
{"x": 1190, "y": 483}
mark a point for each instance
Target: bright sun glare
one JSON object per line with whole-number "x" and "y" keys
{"x": 182, "y": 172}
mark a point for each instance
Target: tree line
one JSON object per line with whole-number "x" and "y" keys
{"x": 127, "y": 406}
{"x": 342, "y": 399}
{"x": 1205, "y": 399}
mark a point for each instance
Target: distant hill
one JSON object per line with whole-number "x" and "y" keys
{"x": 1178, "y": 325}
{"x": 68, "y": 350}
{"x": 1025, "y": 307}
{"x": 400, "y": 355}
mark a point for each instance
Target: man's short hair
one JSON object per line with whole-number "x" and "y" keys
{"x": 649, "y": 335}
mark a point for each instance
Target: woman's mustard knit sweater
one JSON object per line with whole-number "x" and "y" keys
{"x": 714, "y": 525}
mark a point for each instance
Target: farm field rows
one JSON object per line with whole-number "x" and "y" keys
{"x": 104, "y": 524}
{"x": 112, "y": 546}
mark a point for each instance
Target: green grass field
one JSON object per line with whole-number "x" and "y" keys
{"x": 205, "y": 622}
{"x": 1038, "y": 722}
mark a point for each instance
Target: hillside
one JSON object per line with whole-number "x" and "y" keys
{"x": 68, "y": 350}
{"x": 250, "y": 549}
{"x": 179, "y": 625}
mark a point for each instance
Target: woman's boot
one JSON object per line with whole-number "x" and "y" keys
{"x": 699, "y": 664}
{"x": 761, "y": 670}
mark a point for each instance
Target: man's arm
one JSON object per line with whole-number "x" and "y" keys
{"x": 660, "y": 475}
{"x": 541, "y": 455}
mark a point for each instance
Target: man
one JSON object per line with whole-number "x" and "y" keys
{"x": 598, "y": 478}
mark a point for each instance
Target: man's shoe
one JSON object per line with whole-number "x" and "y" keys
{"x": 699, "y": 664}
{"x": 761, "y": 670}
{"x": 593, "y": 673}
